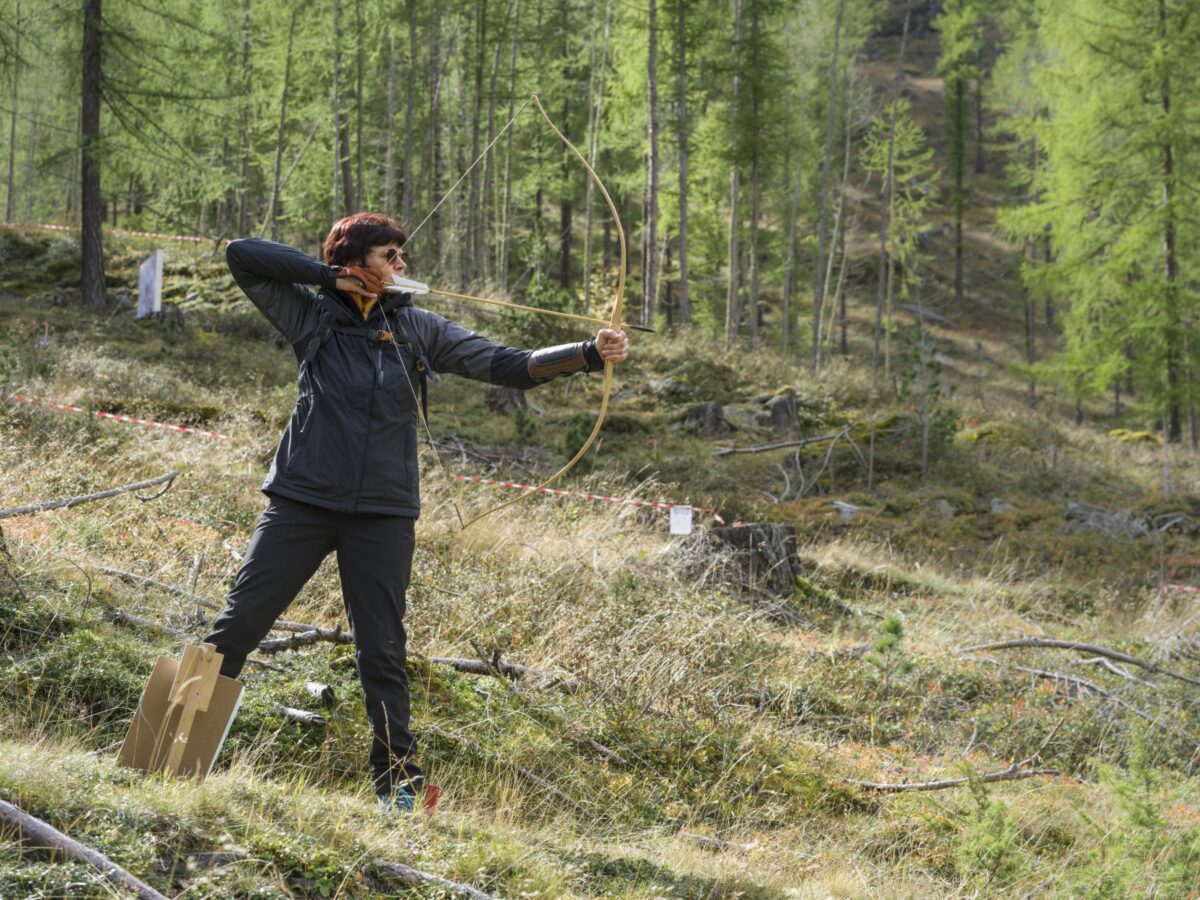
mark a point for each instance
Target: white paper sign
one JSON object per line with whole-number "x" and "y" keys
{"x": 150, "y": 285}
{"x": 681, "y": 520}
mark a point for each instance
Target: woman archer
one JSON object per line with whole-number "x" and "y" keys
{"x": 344, "y": 478}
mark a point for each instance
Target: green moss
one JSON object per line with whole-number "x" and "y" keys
{"x": 25, "y": 623}
{"x": 101, "y": 674}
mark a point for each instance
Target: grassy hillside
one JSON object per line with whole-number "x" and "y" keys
{"x": 711, "y": 747}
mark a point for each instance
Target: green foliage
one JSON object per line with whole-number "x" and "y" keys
{"x": 578, "y": 429}
{"x": 989, "y": 855}
{"x": 887, "y": 657}
{"x": 1110, "y": 165}
{"x": 525, "y": 424}
{"x": 914, "y": 187}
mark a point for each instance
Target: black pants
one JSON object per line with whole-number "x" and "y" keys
{"x": 374, "y": 554}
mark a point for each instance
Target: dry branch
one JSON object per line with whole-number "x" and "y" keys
{"x": 407, "y": 875}
{"x": 161, "y": 585}
{"x": 35, "y": 833}
{"x": 777, "y": 445}
{"x": 1009, "y": 774}
{"x": 510, "y": 670}
{"x": 120, "y": 617}
{"x": 1056, "y": 644}
{"x": 68, "y": 502}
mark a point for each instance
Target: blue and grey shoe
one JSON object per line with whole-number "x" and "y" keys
{"x": 400, "y": 800}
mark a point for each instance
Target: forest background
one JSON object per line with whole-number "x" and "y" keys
{"x": 924, "y": 281}
{"x": 734, "y": 138}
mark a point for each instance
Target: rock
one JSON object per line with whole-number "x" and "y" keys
{"x": 1002, "y": 506}
{"x": 504, "y": 401}
{"x": 738, "y": 418}
{"x": 706, "y": 419}
{"x": 846, "y": 510}
{"x": 943, "y": 508}
{"x": 1085, "y": 516}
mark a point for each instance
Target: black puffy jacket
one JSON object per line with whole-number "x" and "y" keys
{"x": 351, "y": 444}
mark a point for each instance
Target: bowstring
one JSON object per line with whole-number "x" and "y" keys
{"x": 469, "y": 169}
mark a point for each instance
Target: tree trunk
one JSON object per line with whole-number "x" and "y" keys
{"x": 885, "y": 204}
{"x": 755, "y": 175}
{"x": 823, "y": 217}
{"x": 410, "y": 81}
{"x": 685, "y": 310}
{"x": 650, "y": 264}
{"x": 360, "y": 192}
{"x": 273, "y": 209}
{"x": 9, "y": 205}
{"x": 1030, "y": 333}
{"x": 435, "y": 130}
{"x": 388, "y": 194}
{"x": 487, "y": 214}
{"x": 342, "y": 147}
{"x": 960, "y": 100}
{"x": 506, "y": 209}
{"x": 979, "y": 157}
{"x": 243, "y": 223}
{"x": 789, "y": 284}
{"x": 839, "y": 219}
{"x": 733, "y": 312}
{"x": 92, "y": 248}
{"x": 595, "y": 106}
{"x": 475, "y": 210}
{"x": 839, "y": 295}
{"x": 1170, "y": 261}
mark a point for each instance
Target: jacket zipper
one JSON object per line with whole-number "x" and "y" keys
{"x": 375, "y": 383}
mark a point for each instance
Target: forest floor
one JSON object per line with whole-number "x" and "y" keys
{"x": 712, "y": 747}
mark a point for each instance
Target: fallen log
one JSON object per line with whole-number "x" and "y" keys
{"x": 306, "y": 638}
{"x": 303, "y": 716}
{"x": 1009, "y": 774}
{"x": 68, "y": 502}
{"x": 1056, "y": 644}
{"x": 407, "y": 875}
{"x": 35, "y": 833}
{"x": 510, "y": 670}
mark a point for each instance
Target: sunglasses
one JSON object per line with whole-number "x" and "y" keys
{"x": 392, "y": 254}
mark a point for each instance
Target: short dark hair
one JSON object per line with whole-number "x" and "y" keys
{"x": 351, "y": 239}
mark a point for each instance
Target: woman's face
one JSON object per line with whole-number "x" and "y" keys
{"x": 388, "y": 257}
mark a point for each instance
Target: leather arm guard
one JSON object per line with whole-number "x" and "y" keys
{"x": 550, "y": 362}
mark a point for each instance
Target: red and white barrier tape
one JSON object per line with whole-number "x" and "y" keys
{"x": 48, "y": 226}
{"x": 471, "y": 479}
{"x": 586, "y": 495}
{"x": 1181, "y": 587}
{"x": 129, "y": 420}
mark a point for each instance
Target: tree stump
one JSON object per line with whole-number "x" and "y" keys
{"x": 764, "y": 554}
{"x": 504, "y": 401}
{"x": 785, "y": 421}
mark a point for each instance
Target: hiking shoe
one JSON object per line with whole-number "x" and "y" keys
{"x": 403, "y": 800}
{"x": 400, "y": 800}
